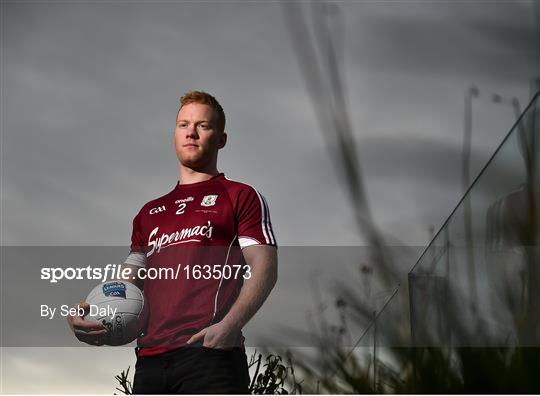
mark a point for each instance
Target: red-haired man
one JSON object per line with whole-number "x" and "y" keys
{"x": 219, "y": 232}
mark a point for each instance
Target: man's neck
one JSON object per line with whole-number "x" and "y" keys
{"x": 189, "y": 176}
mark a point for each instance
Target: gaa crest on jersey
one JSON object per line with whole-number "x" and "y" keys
{"x": 209, "y": 200}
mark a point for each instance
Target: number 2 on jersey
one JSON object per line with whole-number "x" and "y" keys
{"x": 181, "y": 208}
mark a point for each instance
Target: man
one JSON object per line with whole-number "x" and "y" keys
{"x": 193, "y": 342}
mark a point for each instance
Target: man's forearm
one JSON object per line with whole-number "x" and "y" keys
{"x": 255, "y": 290}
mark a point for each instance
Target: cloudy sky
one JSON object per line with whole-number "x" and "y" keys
{"x": 90, "y": 91}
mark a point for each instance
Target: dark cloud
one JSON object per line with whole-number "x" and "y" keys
{"x": 91, "y": 91}
{"x": 497, "y": 40}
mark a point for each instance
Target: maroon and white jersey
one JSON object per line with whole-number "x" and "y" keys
{"x": 195, "y": 231}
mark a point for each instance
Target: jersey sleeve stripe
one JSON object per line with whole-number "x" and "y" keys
{"x": 263, "y": 218}
{"x": 247, "y": 241}
{"x": 266, "y": 224}
{"x": 269, "y": 222}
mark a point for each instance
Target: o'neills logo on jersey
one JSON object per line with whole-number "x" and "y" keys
{"x": 182, "y": 236}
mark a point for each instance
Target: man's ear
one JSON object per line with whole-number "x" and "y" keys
{"x": 222, "y": 140}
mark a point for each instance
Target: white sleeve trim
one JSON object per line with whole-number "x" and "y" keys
{"x": 244, "y": 242}
{"x": 266, "y": 225}
{"x": 136, "y": 258}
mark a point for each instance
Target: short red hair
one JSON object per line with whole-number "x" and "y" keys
{"x": 205, "y": 98}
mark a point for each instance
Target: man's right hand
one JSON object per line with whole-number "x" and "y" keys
{"x": 90, "y": 331}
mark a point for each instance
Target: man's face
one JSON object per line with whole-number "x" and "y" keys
{"x": 196, "y": 137}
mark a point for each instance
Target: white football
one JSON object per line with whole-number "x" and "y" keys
{"x": 120, "y": 307}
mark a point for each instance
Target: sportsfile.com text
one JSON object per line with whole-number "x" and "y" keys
{"x": 119, "y": 272}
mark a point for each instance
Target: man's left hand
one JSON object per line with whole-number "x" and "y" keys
{"x": 218, "y": 336}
